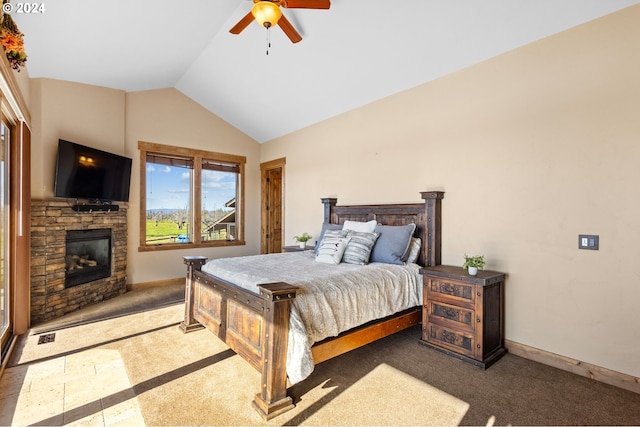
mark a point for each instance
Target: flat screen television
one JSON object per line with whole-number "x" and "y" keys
{"x": 88, "y": 173}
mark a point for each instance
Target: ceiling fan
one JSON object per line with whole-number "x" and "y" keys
{"x": 268, "y": 14}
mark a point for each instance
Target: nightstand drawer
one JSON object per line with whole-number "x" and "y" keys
{"x": 445, "y": 289}
{"x": 451, "y": 315}
{"x": 455, "y": 340}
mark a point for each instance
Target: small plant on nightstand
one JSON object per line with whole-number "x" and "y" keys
{"x": 302, "y": 239}
{"x": 473, "y": 263}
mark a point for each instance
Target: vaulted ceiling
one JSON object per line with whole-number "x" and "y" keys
{"x": 356, "y": 52}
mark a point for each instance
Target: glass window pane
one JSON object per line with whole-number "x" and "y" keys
{"x": 4, "y": 228}
{"x": 178, "y": 180}
{"x": 168, "y": 200}
{"x": 219, "y": 196}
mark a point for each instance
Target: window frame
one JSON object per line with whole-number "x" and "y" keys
{"x": 196, "y": 192}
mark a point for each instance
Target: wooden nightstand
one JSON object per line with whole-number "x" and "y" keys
{"x": 463, "y": 315}
{"x": 296, "y": 248}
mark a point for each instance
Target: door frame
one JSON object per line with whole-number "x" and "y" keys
{"x": 264, "y": 168}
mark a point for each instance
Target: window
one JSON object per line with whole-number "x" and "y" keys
{"x": 190, "y": 198}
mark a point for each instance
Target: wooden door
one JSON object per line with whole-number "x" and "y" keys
{"x": 272, "y": 206}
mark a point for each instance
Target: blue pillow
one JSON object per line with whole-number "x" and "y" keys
{"x": 392, "y": 243}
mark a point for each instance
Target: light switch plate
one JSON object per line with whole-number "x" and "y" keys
{"x": 589, "y": 241}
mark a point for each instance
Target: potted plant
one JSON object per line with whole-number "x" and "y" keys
{"x": 302, "y": 239}
{"x": 473, "y": 263}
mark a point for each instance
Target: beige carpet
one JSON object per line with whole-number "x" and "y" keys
{"x": 171, "y": 378}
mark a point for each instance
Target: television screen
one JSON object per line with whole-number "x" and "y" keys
{"x": 87, "y": 173}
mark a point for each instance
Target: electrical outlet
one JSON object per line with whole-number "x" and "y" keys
{"x": 589, "y": 241}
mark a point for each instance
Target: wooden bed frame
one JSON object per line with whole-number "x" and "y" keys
{"x": 256, "y": 326}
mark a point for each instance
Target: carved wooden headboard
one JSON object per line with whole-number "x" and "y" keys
{"x": 427, "y": 216}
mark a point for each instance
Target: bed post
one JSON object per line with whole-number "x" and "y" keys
{"x": 272, "y": 399}
{"x": 433, "y": 211}
{"x": 193, "y": 263}
{"x": 328, "y": 203}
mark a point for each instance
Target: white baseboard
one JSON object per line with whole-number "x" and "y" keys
{"x": 598, "y": 373}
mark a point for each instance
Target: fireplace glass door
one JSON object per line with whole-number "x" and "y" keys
{"x": 88, "y": 256}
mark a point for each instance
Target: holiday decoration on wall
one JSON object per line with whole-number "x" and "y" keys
{"x": 12, "y": 41}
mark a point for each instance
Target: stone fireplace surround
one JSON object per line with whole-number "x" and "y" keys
{"x": 50, "y": 220}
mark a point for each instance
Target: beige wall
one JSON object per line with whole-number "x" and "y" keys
{"x": 96, "y": 116}
{"x": 88, "y": 115}
{"x": 23, "y": 81}
{"x": 168, "y": 117}
{"x": 532, "y": 148}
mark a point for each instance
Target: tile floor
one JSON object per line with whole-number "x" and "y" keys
{"x": 87, "y": 389}
{"x": 70, "y": 381}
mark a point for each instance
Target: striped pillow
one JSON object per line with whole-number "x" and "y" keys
{"x": 359, "y": 247}
{"x": 327, "y": 227}
{"x": 331, "y": 249}
{"x": 411, "y": 256}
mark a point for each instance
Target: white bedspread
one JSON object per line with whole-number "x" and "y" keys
{"x": 331, "y": 298}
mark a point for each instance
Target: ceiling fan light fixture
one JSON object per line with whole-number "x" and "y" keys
{"x": 266, "y": 13}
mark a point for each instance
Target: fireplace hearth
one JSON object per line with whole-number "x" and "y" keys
{"x": 88, "y": 256}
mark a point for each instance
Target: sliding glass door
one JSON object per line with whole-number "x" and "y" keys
{"x": 5, "y": 291}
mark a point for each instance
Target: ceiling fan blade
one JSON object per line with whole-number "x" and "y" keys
{"x": 242, "y": 24}
{"x": 289, "y": 30}
{"x": 306, "y": 4}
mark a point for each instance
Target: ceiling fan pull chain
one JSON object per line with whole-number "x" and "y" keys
{"x": 268, "y": 39}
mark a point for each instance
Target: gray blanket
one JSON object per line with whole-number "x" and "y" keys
{"x": 331, "y": 298}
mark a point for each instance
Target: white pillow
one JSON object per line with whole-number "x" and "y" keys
{"x": 331, "y": 249}
{"x": 361, "y": 227}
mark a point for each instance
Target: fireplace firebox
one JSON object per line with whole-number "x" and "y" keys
{"x": 87, "y": 256}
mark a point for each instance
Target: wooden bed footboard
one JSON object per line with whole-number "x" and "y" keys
{"x": 256, "y": 326}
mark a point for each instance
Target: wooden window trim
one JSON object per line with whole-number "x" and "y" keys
{"x": 224, "y": 162}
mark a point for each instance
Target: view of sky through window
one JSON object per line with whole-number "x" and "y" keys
{"x": 168, "y": 187}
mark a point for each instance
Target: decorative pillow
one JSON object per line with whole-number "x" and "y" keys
{"x": 331, "y": 249}
{"x": 326, "y": 226}
{"x": 363, "y": 227}
{"x": 392, "y": 244}
{"x": 411, "y": 256}
{"x": 359, "y": 247}
{"x": 333, "y": 233}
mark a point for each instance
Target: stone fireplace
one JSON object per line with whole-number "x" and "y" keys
{"x": 77, "y": 258}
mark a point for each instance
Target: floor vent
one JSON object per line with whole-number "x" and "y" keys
{"x": 43, "y": 339}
